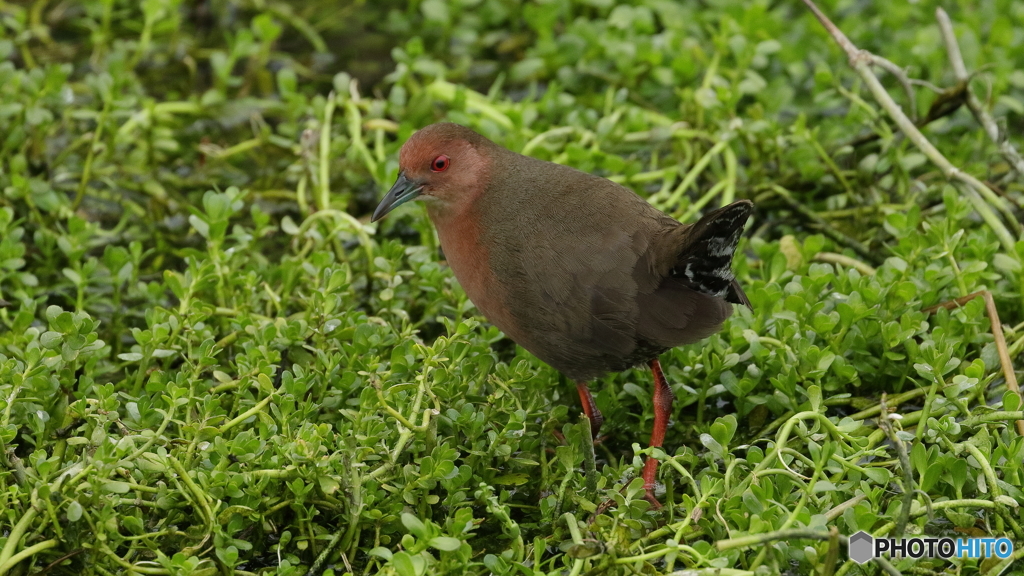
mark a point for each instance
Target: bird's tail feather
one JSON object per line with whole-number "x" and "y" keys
{"x": 704, "y": 263}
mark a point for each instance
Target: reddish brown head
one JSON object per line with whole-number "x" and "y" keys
{"x": 445, "y": 164}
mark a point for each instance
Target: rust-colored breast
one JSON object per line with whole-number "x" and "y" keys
{"x": 468, "y": 257}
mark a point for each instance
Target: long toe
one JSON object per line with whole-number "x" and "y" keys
{"x": 650, "y": 497}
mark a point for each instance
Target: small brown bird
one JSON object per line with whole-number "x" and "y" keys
{"x": 575, "y": 268}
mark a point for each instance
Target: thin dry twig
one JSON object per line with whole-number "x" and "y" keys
{"x": 926, "y": 84}
{"x": 946, "y": 102}
{"x": 980, "y": 114}
{"x": 837, "y": 510}
{"x": 53, "y": 564}
{"x": 901, "y": 76}
{"x": 997, "y": 334}
{"x": 976, "y": 192}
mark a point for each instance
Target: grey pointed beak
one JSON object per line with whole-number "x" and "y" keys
{"x": 403, "y": 191}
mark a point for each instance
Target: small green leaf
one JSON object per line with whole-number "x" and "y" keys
{"x": 824, "y": 486}
{"x": 960, "y": 519}
{"x": 752, "y": 503}
{"x": 1011, "y": 401}
{"x": 288, "y": 226}
{"x": 1007, "y": 501}
{"x": 814, "y": 392}
{"x": 1006, "y": 263}
{"x": 50, "y": 340}
{"x": 446, "y": 543}
{"x": 878, "y": 475}
{"x": 932, "y": 475}
{"x": 116, "y": 487}
{"x": 403, "y": 564}
{"x": 512, "y": 479}
{"x": 414, "y": 525}
{"x": 74, "y": 512}
{"x": 329, "y": 485}
{"x": 200, "y": 225}
{"x": 724, "y": 429}
{"x": 711, "y": 444}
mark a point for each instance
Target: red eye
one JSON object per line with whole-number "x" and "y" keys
{"x": 440, "y": 164}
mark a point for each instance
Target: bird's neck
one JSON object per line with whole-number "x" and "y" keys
{"x": 460, "y": 232}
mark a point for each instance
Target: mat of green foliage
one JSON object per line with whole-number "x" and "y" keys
{"x": 211, "y": 363}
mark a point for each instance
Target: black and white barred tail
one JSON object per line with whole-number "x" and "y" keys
{"x": 705, "y": 257}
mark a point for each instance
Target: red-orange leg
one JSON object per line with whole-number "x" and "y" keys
{"x": 590, "y": 408}
{"x": 662, "y": 410}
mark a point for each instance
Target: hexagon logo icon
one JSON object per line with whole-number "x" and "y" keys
{"x": 861, "y": 547}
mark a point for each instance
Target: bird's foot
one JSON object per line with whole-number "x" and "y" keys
{"x": 558, "y": 434}
{"x": 649, "y": 474}
{"x": 590, "y": 408}
{"x": 649, "y": 496}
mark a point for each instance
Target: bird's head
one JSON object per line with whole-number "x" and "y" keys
{"x": 445, "y": 164}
